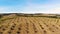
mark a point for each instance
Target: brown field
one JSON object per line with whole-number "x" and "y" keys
{"x": 29, "y": 25}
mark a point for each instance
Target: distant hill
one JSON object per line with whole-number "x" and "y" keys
{"x": 24, "y": 14}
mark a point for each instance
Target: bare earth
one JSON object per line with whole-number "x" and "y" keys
{"x": 30, "y": 25}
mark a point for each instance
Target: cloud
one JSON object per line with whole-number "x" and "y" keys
{"x": 32, "y": 8}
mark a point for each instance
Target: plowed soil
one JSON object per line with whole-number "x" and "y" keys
{"x": 30, "y": 25}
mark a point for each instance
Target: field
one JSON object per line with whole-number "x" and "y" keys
{"x": 29, "y": 25}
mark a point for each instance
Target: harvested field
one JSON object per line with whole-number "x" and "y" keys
{"x": 30, "y": 25}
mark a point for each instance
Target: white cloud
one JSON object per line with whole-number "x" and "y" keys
{"x": 32, "y": 8}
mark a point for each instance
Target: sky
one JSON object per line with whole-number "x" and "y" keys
{"x": 30, "y": 6}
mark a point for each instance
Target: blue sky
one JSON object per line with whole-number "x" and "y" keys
{"x": 30, "y": 6}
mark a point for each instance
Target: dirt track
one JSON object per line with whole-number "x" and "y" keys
{"x": 30, "y": 25}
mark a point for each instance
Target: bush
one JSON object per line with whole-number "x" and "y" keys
{"x": 0, "y": 16}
